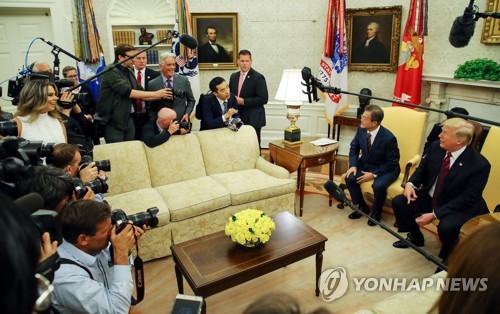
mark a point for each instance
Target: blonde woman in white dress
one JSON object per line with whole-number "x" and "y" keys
{"x": 37, "y": 116}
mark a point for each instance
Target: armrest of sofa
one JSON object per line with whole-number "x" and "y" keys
{"x": 272, "y": 169}
{"x": 410, "y": 165}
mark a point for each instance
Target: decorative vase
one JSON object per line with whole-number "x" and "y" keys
{"x": 251, "y": 244}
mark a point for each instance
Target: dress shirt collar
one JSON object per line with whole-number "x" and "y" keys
{"x": 374, "y": 133}
{"x": 86, "y": 259}
{"x": 167, "y": 78}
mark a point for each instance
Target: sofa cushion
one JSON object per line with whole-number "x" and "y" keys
{"x": 129, "y": 166}
{"x": 226, "y": 151}
{"x": 179, "y": 159}
{"x": 194, "y": 197}
{"x": 251, "y": 185}
{"x": 139, "y": 201}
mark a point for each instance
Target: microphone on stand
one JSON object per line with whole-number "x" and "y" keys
{"x": 337, "y": 193}
{"x": 463, "y": 27}
{"x": 306, "y": 77}
{"x": 57, "y": 48}
{"x": 188, "y": 41}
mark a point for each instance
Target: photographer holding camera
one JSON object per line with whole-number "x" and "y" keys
{"x": 37, "y": 117}
{"x": 158, "y": 132}
{"x": 90, "y": 276}
{"x": 179, "y": 94}
{"x": 68, "y": 158}
{"x": 54, "y": 185}
{"x": 87, "y": 104}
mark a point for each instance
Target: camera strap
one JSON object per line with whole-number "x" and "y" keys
{"x": 139, "y": 275}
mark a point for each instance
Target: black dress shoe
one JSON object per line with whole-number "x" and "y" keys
{"x": 409, "y": 238}
{"x": 371, "y": 223}
{"x": 356, "y": 215}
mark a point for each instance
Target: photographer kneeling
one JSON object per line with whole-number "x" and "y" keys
{"x": 157, "y": 132}
{"x": 90, "y": 276}
{"x": 68, "y": 158}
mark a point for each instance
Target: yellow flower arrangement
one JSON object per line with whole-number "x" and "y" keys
{"x": 250, "y": 227}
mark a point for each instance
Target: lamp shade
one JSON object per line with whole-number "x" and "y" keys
{"x": 290, "y": 89}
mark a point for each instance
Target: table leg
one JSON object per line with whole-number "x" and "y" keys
{"x": 302, "y": 184}
{"x": 319, "y": 265}
{"x": 178, "y": 275}
{"x": 330, "y": 176}
{"x": 298, "y": 177}
{"x": 204, "y": 307}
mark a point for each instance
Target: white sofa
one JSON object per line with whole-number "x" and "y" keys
{"x": 196, "y": 181}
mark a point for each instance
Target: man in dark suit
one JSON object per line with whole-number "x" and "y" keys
{"x": 183, "y": 102}
{"x": 250, "y": 89}
{"x": 445, "y": 188}
{"x": 211, "y": 51}
{"x": 159, "y": 131}
{"x": 220, "y": 108}
{"x": 379, "y": 161}
{"x": 146, "y": 75}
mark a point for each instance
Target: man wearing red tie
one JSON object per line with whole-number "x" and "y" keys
{"x": 250, "y": 89}
{"x": 447, "y": 185}
{"x": 143, "y": 75}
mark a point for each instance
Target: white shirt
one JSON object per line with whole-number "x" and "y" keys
{"x": 45, "y": 128}
{"x": 76, "y": 292}
{"x": 374, "y": 134}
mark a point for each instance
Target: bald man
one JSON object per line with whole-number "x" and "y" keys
{"x": 157, "y": 132}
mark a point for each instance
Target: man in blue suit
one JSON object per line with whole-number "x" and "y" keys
{"x": 379, "y": 162}
{"x": 219, "y": 109}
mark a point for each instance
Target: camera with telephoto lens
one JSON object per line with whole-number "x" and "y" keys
{"x": 48, "y": 221}
{"x": 183, "y": 125}
{"x": 179, "y": 93}
{"x": 8, "y": 128}
{"x": 99, "y": 185}
{"x": 148, "y": 218}
{"x": 104, "y": 165}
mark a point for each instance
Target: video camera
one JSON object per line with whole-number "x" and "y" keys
{"x": 148, "y": 218}
{"x": 17, "y": 156}
{"x": 16, "y": 85}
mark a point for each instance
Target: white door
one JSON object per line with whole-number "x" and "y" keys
{"x": 18, "y": 28}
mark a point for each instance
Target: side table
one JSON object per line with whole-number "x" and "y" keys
{"x": 299, "y": 158}
{"x": 340, "y": 120}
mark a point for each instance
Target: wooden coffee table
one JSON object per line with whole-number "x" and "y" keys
{"x": 214, "y": 263}
{"x": 299, "y": 158}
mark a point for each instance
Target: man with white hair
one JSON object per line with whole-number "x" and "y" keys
{"x": 179, "y": 94}
{"x": 371, "y": 50}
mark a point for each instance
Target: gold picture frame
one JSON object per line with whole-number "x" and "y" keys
{"x": 491, "y": 26}
{"x": 212, "y": 57}
{"x": 379, "y": 54}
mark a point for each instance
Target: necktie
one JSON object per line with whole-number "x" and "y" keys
{"x": 443, "y": 172}
{"x": 169, "y": 83}
{"x": 225, "y": 107}
{"x": 138, "y": 101}
{"x": 369, "y": 141}
{"x": 240, "y": 82}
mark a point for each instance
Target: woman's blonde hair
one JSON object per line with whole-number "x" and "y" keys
{"x": 33, "y": 100}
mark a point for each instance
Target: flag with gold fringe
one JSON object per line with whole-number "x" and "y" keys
{"x": 408, "y": 85}
{"x": 333, "y": 64}
{"x": 88, "y": 45}
{"x": 186, "y": 60}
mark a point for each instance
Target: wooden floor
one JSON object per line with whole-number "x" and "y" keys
{"x": 362, "y": 250}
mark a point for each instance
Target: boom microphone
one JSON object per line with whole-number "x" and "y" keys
{"x": 335, "y": 191}
{"x": 57, "y": 48}
{"x": 463, "y": 28}
{"x": 188, "y": 41}
{"x": 30, "y": 203}
{"x": 306, "y": 77}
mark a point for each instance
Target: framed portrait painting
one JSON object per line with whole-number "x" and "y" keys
{"x": 373, "y": 37}
{"x": 217, "y": 35}
{"x": 491, "y": 26}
